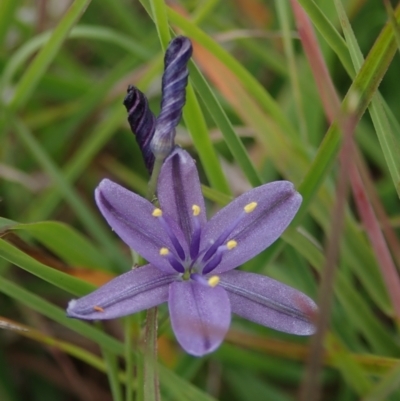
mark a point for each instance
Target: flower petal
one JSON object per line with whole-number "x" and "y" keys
{"x": 269, "y": 302}
{"x": 131, "y": 292}
{"x": 200, "y": 316}
{"x": 130, "y": 216}
{"x": 277, "y": 204}
{"x": 179, "y": 189}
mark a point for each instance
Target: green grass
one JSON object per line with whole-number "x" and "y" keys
{"x": 254, "y": 112}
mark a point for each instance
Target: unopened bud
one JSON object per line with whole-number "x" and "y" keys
{"x": 174, "y": 81}
{"x": 142, "y": 122}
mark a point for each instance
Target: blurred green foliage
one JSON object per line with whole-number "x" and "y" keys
{"x": 254, "y": 114}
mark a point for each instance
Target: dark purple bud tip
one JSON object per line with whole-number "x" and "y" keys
{"x": 179, "y": 48}
{"x": 174, "y": 82}
{"x": 142, "y": 122}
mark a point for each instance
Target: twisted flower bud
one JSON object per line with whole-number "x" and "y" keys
{"x": 155, "y": 137}
{"x": 173, "y": 97}
{"x": 142, "y": 122}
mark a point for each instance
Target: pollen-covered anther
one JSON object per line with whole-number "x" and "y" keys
{"x": 196, "y": 210}
{"x": 98, "y": 308}
{"x": 213, "y": 281}
{"x": 164, "y": 251}
{"x": 157, "y": 212}
{"x": 231, "y": 244}
{"x": 250, "y": 207}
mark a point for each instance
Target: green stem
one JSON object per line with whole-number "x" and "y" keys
{"x": 151, "y": 390}
{"x": 111, "y": 362}
{"x": 112, "y": 372}
{"x": 151, "y": 381}
{"x": 129, "y": 358}
{"x": 152, "y": 187}
{"x": 150, "y": 371}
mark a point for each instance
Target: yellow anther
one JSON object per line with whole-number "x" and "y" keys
{"x": 213, "y": 281}
{"x": 164, "y": 251}
{"x": 250, "y": 207}
{"x": 231, "y": 244}
{"x": 196, "y": 210}
{"x": 157, "y": 212}
{"x": 98, "y": 308}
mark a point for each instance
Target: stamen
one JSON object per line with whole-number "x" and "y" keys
{"x": 228, "y": 231}
{"x": 172, "y": 260}
{"x": 216, "y": 260}
{"x": 98, "y": 308}
{"x": 195, "y": 241}
{"x": 175, "y": 242}
{"x": 164, "y": 251}
{"x": 176, "y": 265}
{"x": 231, "y": 244}
{"x": 250, "y": 207}
{"x": 196, "y": 210}
{"x": 213, "y": 281}
{"x": 157, "y": 212}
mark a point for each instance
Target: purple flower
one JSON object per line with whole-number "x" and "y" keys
{"x": 191, "y": 261}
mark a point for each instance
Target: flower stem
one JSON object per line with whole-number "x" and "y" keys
{"x": 151, "y": 390}
{"x": 112, "y": 370}
{"x": 152, "y": 187}
{"x": 129, "y": 358}
{"x": 151, "y": 382}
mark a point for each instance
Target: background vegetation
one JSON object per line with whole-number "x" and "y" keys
{"x": 277, "y": 90}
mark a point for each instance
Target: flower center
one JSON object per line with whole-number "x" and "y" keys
{"x": 199, "y": 262}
